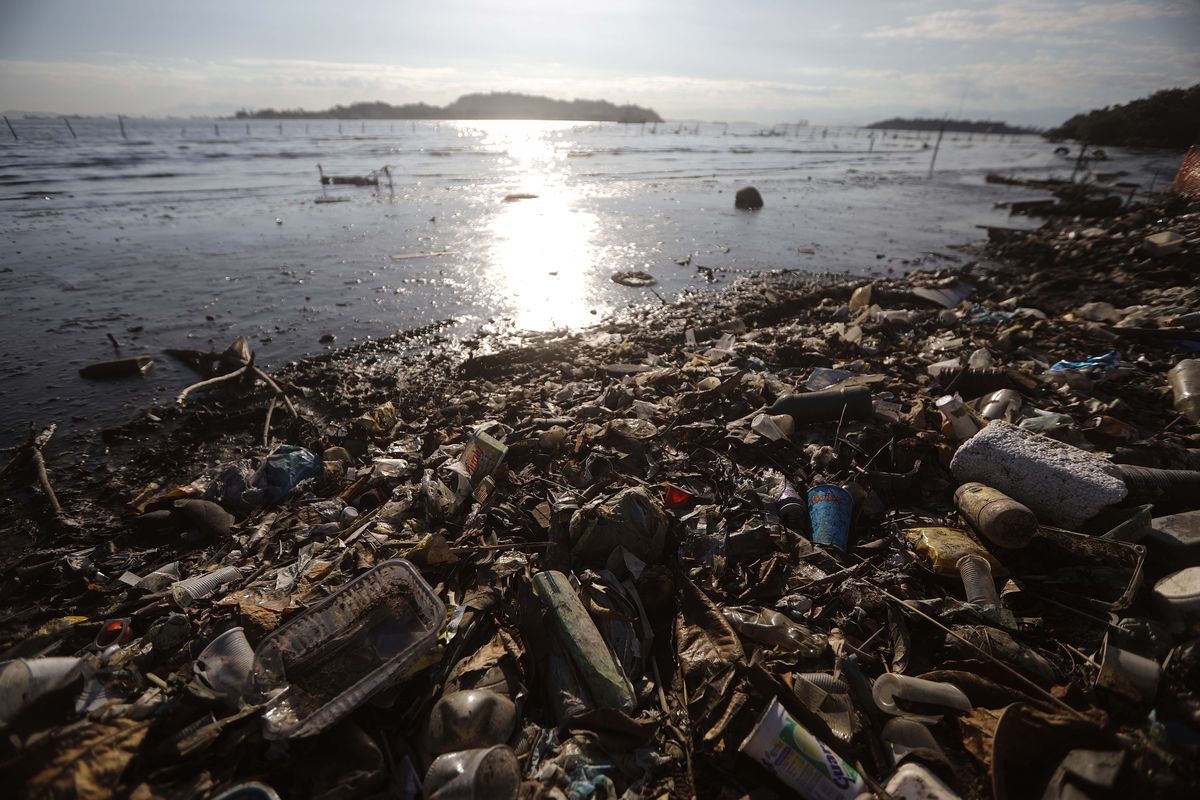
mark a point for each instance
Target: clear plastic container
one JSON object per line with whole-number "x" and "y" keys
{"x": 333, "y": 657}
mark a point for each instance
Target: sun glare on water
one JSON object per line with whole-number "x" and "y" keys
{"x": 542, "y": 261}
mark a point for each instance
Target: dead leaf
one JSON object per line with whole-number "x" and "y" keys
{"x": 84, "y": 760}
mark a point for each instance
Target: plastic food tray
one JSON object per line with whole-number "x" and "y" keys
{"x": 368, "y": 633}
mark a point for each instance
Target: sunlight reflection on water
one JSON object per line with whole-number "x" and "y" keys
{"x": 542, "y": 259}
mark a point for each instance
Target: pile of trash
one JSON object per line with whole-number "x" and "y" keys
{"x": 932, "y": 536}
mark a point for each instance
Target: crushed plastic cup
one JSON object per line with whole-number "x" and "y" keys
{"x": 829, "y": 510}
{"x": 226, "y": 663}
{"x": 491, "y": 773}
{"x": 161, "y": 578}
{"x": 326, "y": 661}
{"x": 198, "y": 587}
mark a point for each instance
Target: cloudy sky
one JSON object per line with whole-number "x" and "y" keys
{"x": 1028, "y": 61}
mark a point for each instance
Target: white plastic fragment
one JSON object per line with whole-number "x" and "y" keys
{"x": 1061, "y": 484}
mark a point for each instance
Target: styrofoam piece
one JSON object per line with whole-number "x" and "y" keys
{"x": 1061, "y": 484}
{"x": 1181, "y": 590}
{"x": 915, "y": 782}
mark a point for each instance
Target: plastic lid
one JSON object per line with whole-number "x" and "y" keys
{"x": 1180, "y": 587}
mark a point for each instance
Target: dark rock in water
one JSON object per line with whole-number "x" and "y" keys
{"x": 748, "y": 198}
{"x": 635, "y": 278}
{"x": 328, "y": 338}
{"x": 205, "y": 517}
{"x": 120, "y": 368}
{"x": 512, "y": 198}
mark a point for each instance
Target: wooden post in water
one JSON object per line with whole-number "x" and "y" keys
{"x": 72, "y": 130}
{"x": 871, "y": 149}
{"x": 216, "y": 129}
{"x": 1079, "y": 161}
{"x": 121, "y": 122}
{"x": 936, "y": 145}
{"x": 281, "y": 129}
{"x": 10, "y": 130}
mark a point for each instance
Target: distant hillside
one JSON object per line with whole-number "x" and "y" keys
{"x": 953, "y": 125}
{"x": 1167, "y": 119}
{"x": 497, "y": 105}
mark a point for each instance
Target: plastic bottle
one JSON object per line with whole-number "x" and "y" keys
{"x": 824, "y": 406}
{"x": 799, "y": 759}
{"x": 1185, "y": 386}
{"x": 996, "y": 516}
{"x": 792, "y": 508}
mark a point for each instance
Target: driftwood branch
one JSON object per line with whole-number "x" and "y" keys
{"x": 36, "y": 442}
{"x": 228, "y": 376}
{"x": 278, "y": 389}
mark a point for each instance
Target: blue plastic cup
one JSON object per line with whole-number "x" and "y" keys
{"x": 829, "y": 509}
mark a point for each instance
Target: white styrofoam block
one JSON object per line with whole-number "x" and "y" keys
{"x": 1061, "y": 484}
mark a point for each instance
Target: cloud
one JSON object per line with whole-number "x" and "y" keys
{"x": 119, "y": 82}
{"x": 1030, "y": 20}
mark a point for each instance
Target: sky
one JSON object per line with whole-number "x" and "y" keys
{"x": 850, "y": 62}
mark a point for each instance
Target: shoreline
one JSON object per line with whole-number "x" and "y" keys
{"x": 663, "y": 394}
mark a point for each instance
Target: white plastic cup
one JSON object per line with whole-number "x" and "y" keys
{"x": 24, "y": 680}
{"x": 188, "y": 591}
{"x": 225, "y": 664}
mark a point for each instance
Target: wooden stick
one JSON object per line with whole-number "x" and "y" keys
{"x": 10, "y": 129}
{"x": 212, "y": 381}
{"x": 278, "y": 390}
{"x": 72, "y": 130}
{"x": 39, "y": 465}
{"x": 267, "y": 424}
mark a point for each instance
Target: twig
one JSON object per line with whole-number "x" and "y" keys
{"x": 909, "y": 607}
{"x": 278, "y": 389}
{"x": 228, "y": 376}
{"x": 267, "y": 424}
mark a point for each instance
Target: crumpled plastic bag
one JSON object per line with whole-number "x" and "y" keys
{"x": 284, "y": 468}
{"x": 632, "y": 519}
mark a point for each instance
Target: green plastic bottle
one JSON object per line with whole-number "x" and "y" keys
{"x": 824, "y": 406}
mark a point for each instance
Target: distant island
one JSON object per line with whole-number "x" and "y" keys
{"x": 952, "y": 125}
{"x": 496, "y": 105}
{"x": 1168, "y": 119}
